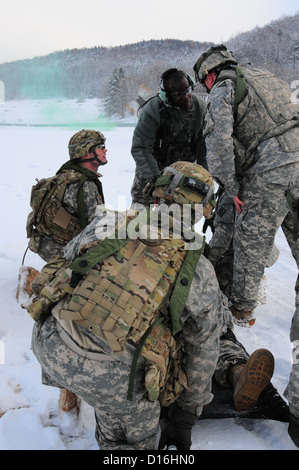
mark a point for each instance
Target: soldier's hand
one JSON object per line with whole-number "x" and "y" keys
{"x": 238, "y": 204}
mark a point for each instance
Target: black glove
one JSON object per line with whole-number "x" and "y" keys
{"x": 293, "y": 429}
{"x": 177, "y": 431}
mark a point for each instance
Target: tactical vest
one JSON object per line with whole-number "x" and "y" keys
{"x": 265, "y": 110}
{"x": 168, "y": 149}
{"x": 49, "y": 217}
{"x": 122, "y": 296}
{"x": 135, "y": 295}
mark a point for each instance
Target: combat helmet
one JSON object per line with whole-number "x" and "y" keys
{"x": 217, "y": 56}
{"x": 83, "y": 141}
{"x": 292, "y": 193}
{"x": 186, "y": 183}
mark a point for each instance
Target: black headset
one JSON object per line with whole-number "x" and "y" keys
{"x": 163, "y": 92}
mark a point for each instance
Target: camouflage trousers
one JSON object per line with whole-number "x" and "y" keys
{"x": 255, "y": 228}
{"x": 120, "y": 424}
{"x": 221, "y": 253}
{"x": 292, "y": 390}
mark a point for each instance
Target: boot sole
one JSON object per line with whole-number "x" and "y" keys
{"x": 259, "y": 371}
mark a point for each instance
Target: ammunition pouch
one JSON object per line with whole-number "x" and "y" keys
{"x": 165, "y": 377}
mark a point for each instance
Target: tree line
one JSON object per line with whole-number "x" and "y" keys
{"x": 117, "y": 74}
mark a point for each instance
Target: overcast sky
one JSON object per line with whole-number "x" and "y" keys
{"x": 30, "y": 28}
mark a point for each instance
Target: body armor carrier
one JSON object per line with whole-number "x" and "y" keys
{"x": 128, "y": 291}
{"x": 121, "y": 297}
{"x": 176, "y": 139}
{"x": 264, "y": 111}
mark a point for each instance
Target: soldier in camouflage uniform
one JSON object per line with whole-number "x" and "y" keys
{"x": 79, "y": 352}
{"x": 291, "y": 232}
{"x": 87, "y": 152}
{"x": 169, "y": 129}
{"x": 252, "y": 139}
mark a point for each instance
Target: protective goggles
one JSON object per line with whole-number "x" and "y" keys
{"x": 180, "y": 94}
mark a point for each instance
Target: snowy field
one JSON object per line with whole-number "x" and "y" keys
{"x": 28, "y": 410}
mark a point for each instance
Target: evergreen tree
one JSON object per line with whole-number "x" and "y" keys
{"x": 116, "y": 97}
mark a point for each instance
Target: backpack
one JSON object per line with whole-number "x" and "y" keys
{"x": 125, "y": 290}
{"x": 48, "y": 217}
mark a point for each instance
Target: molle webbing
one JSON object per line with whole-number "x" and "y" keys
{"x": 122, "y": 296}
{"x": 86, "y": 175}
{"x": 262, "y": 108}
{"x": 182, "y": 287}
{"x": 240, "y": 81}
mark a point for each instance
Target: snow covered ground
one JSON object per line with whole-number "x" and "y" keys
{"x": 28, "y": 410}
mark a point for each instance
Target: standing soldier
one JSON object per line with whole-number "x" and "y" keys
{"x": 252, "y": 139}
{"x": 169, "y": 129}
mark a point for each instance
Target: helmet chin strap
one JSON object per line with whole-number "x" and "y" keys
{"x": 94, "y": 158}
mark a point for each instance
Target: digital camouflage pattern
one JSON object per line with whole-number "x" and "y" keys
{"x": 223, "y": 228}
{"x": 216, "y": 56}
{"x": 255, "y": 229}
{"x": 292, "y": 390}
{"x": 84, "y": 362}
{"x": 121, "y": 423}
{"x": 266, "y": 168}
{"x": 83, "y": 141}
{"x": 221, "y": 252}
{"x": 251, "y": 157}
{"x": 120, "y": 299}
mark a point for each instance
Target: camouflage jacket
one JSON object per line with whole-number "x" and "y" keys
{"x": 238, "y": 144}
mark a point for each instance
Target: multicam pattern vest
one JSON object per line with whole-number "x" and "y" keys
{"x": 128, "y": 291}
{"x": 49, "y": 217}
{"x": 121, "y": 297}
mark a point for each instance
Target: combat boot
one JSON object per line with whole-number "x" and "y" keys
{"x": 242, "y": 317}
{"x": 68, "y": 401}
{"x": 250, "y": 379}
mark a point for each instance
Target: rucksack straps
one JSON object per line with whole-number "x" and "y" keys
{"x": 86, "y": 175}
{"x": 240, "y": 81}
{"x": 182, "y": 287}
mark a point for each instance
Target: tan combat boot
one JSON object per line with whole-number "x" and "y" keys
{"x": 250, "y": 379}
{"x": 68, "y": 401}
{"x": 242, "y": 317}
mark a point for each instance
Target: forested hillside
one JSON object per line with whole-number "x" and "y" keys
{"x": 119, "y": 74}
